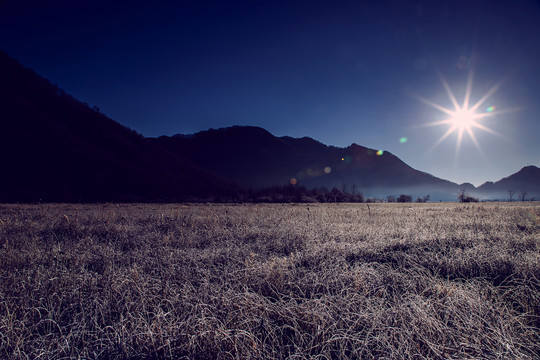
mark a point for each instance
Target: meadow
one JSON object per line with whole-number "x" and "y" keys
{"x": 270, "y": 281}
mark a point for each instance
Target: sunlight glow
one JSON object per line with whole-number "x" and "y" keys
{"x": 463, "y": 118}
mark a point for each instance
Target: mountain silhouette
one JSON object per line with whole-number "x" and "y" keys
{"x": 525, "y": 180}
{"x": 254, "y": 158}
{"x": 57, "y": 148}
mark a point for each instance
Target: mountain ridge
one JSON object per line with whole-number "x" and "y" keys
{"x": 526, "y": 180}
{"x": 317, "y": 156}
{"x": 60, "y": 149}
{"x": 267, "y": 160}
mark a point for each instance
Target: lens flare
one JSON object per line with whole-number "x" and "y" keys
{"x": 403, "y": 140}
{"x": 490, "y": 109}
{"x": 347, "y": 159}
{"x": 327, "y": 170}
{"x": 380, "y": 152}
{"x": 293, "y": 181}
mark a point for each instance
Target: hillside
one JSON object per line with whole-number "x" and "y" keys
{"x": 57, "y": 148}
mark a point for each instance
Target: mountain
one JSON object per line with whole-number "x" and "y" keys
{"x": 56, "y": 148}
{"x": 253, "y": 157}
{"x": 525, "y": 180}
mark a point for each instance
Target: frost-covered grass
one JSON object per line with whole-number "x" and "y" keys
{"x": 400, "y": 281}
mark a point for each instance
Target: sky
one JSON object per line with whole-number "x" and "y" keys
{"x": 341, "y": 72}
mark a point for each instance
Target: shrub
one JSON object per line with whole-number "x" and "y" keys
{"x": 404, "y": 198}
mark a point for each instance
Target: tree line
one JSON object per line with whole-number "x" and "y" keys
{"x": 300, "y": 194}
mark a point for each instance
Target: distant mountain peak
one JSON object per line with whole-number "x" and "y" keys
{"x": 526, "y": 171}
{"x": 467, "y": 186}
{"x": 356, "y": 147}
{"x": 526, "y": 180}
{"x": 243, "y": 129}
{"x": 530, "y": 168}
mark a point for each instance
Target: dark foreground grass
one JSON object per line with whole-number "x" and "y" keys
{"x": 397, "y": 281}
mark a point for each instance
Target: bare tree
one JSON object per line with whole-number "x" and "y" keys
{"x": 461, "y": 195}
{"x": 522, "y": 195}
{"x": 391, "y": 198}
{"x": 466, "y": 198}
{"x": 511, "y": 194}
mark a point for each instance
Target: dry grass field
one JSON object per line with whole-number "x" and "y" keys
{"x": 393, "y": 281}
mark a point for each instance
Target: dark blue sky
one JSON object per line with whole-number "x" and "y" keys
{"x": 337, "y": 71}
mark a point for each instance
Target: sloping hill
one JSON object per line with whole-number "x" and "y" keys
{"x": 56, "y": 148}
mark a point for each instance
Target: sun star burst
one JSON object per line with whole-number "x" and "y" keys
{"x": 463, "y": 118}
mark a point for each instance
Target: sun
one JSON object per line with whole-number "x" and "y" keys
{"x": 463, "y": 118}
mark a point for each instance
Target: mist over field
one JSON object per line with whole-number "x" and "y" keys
{"x": 274, "y": 281}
